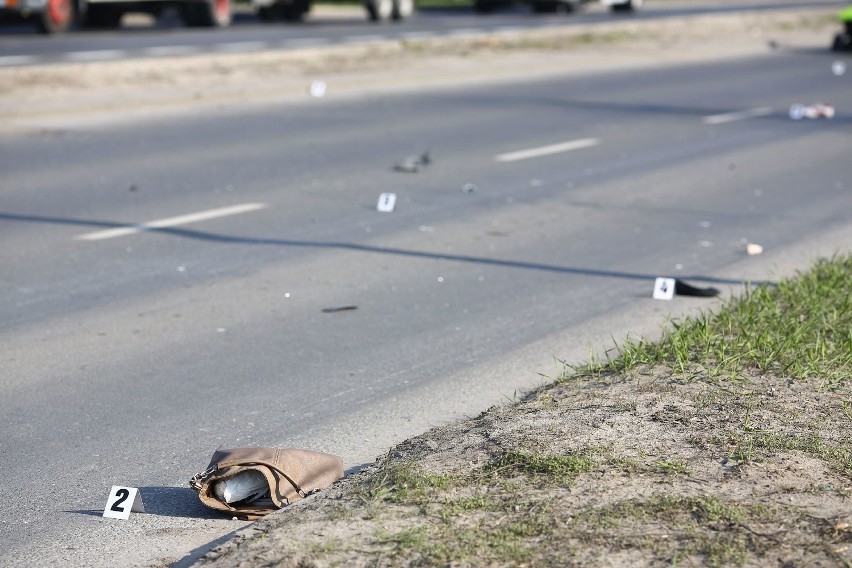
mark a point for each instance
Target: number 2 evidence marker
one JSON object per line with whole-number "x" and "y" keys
{"x": 123, "y": 500}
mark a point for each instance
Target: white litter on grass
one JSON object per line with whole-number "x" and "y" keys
{"x": 318, "y": 89}
{"x": 753, "y": 249}
{"x": 838, "y": 68}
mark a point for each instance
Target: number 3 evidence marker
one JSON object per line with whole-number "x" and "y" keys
{"x": 123, "y": 500}
{"x": 386, "y": 202}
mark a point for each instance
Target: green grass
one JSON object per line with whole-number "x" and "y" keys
{"x": 801, "y": 328}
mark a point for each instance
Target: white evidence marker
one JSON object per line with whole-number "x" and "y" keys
{"x": 123, "y": 500}
{"x": 386, "y": 202}
{"x": 664, "y": 288}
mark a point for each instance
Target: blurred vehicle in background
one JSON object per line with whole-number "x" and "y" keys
{"x": 552, "y": 6}
{"x": 56, "y": 16}
{"x": 622, "y": 5}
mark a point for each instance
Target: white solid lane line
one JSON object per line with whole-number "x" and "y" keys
{"x": 10, "y": 60}
{"x": 171, "y": 222}
{"x": 547, "y": 150}
{"x": 739, "y": 115}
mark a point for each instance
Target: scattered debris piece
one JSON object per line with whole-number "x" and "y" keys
{"x": 318, "y": 89}
{"x": 684, "y": 289}
{"x": 426, "y": 229}
{"x": 341, "y": 308}
{"x": 814, "y": 111}
{"x": 413, "y": 164}
{"x": 753, "y": 249}
{"x": 705, "y": 244}
{"x": 386, "y": 203}
{"x": 469, "y": 188}
{"x": 838, "y": 68}
{"x": 133, "y": 187}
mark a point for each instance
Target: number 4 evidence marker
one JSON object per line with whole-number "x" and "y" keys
{"x": 123, "y": 500}
{"x": 664, "y": 288}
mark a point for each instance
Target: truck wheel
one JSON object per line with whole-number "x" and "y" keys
{"x": 483, "y": 6}
{"x": 103, "y": 16}
{"x": 294, "y": 11}
{"x": 207, "y": 13}
{"x": 56, "y": 17}
{"x": 402, "y": 9}
{"x": 267, "y": 14}
{"x": 545, "y": 7}
{"x": 379, "y": 10}
{"x": 628, "y": 6}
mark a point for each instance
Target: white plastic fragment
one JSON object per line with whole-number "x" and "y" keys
{"x": 753, "y": 249}
{"x": 318, "y": 89}
{"x": 469, "y": 188}
{"x": 249, "y": 484}
{"x": 838, "y": 68}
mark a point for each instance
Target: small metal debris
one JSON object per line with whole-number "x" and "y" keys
{"x": 342, "y": 308}
{"x": 413, "y": 164}
{"x": 469, "y": 188}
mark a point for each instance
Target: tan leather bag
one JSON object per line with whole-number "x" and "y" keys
{"x": 292, "y": 474}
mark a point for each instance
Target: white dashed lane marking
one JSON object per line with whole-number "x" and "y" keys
{"x": 738, "y": 115}
{"x": 171, "y": 222}
{"x": 97, "y": 55}
{"x": 547, "y": 150}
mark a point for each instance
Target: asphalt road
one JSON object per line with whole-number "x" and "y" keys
{"x": 19, "y": 45}
{"x": 130, "y": 353}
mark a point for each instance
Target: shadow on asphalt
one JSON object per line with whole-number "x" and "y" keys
{"x": 393, "y": 251}
{"x": 166, "y": 502}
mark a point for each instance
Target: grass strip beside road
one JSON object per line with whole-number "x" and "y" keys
{"x": 725, "y": 443}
